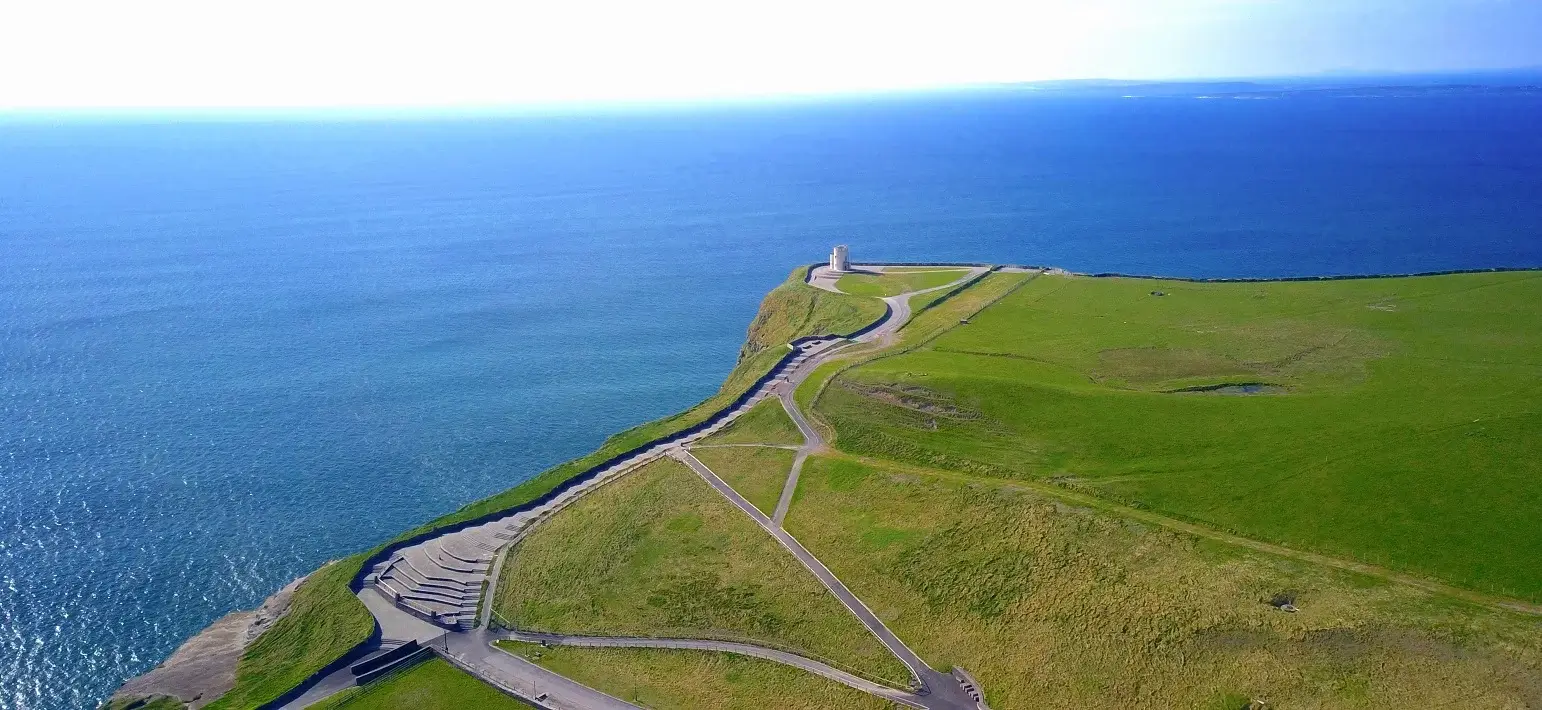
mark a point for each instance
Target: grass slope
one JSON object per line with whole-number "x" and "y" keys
{"x": 765, "y": 423}
{"x": 1401, "y": 421}
{"x": 895, "y": 283}
{"x": 926, "y": 322}
{"x": 669, "y": 680}
{"x": 659, "y": 553}
{"x": 795, "y": 309}
{"x": 757, "y": 473}
{"x": 1051, "y": 606}
{"x": 326, "y": 621}
{"x": 431, "y": 685}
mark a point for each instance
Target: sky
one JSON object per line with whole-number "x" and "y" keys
{"x": 96, "y": 54}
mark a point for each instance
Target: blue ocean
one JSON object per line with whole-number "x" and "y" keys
{"x": 233, "y": 349}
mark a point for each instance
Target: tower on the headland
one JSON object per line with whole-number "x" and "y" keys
{"x": 840, "y": 260}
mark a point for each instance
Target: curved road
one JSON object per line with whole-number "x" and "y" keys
{"x": 744, "y": 649}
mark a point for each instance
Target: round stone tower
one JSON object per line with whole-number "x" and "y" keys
{"x": 840, "y": 260}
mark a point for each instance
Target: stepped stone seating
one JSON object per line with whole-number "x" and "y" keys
{"x": 440, "y": 580}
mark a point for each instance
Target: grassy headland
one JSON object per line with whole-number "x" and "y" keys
{"x": 894, "y": 283}
{"x": 685, "y": 680}
{"x": 1390, "y": 421}
{"x": 659, "y": 553}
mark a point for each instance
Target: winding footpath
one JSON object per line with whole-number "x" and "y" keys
{"x": 430, "y": 592}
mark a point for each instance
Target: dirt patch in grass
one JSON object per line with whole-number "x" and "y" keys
{"x": 1143, "y": 366}
{"x": 912, "y": 397}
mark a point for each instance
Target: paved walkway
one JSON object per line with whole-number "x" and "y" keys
{"x": 434, "y": 580}
{"x": 743, "y": 649}
{"x": 937, "y": 690}
{"x": 473, "y": 652}
{"x": 812, "y": 442}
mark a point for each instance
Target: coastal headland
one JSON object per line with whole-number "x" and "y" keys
{"x": 961, "y": 485}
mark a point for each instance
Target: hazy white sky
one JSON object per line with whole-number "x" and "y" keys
{"x": 245, "y": 53}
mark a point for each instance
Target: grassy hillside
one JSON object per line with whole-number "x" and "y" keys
{"x": 940, "y": 313}
{"x": 685, "y": 680}
{"x": 1394, "y": 421}
{"x": 1057, "y": 607}
{"x": 757, "y": 473}
{"x": 431, "y": 685}
{"x": 325, "y": 620}
{"x": 896, "y": 282}
{"x": 796, "y": 309}
{"x": 659, "y": 553}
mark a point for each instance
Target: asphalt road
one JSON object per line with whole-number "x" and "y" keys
{"x": 744, "y": 649}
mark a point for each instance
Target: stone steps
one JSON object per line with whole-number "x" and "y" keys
{"x": 409, "y": 577}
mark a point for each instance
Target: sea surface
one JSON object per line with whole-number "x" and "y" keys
{"x": 233, "y": 349}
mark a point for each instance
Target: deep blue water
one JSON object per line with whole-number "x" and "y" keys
{"x": 234, "y": 350}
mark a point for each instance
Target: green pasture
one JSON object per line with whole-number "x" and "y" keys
{"x": 660, "y": 553}
{"x": 1393, "y": 421}
{"x": 757, "y": 472}
{"x": 1052, "y": 606}
{"x": 893, "y": 283}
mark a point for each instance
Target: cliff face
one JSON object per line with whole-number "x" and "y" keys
{"x": 203, "y": 667}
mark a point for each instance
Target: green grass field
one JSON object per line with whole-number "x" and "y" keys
{"x": 1389, "y": 421}
{"x": 1398, "y": 421}
{"x": 764, "y": 423}
{"x": 659, "y": 553}
{"x": 898, "y": 282}
{"x": 686, "y": 680}
{"x": 1052, "y": 606}
{"x": 757, "y": 473}
{"x": 431, "y": 685}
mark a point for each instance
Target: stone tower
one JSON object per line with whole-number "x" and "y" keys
{"x": 839, "y": 259}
